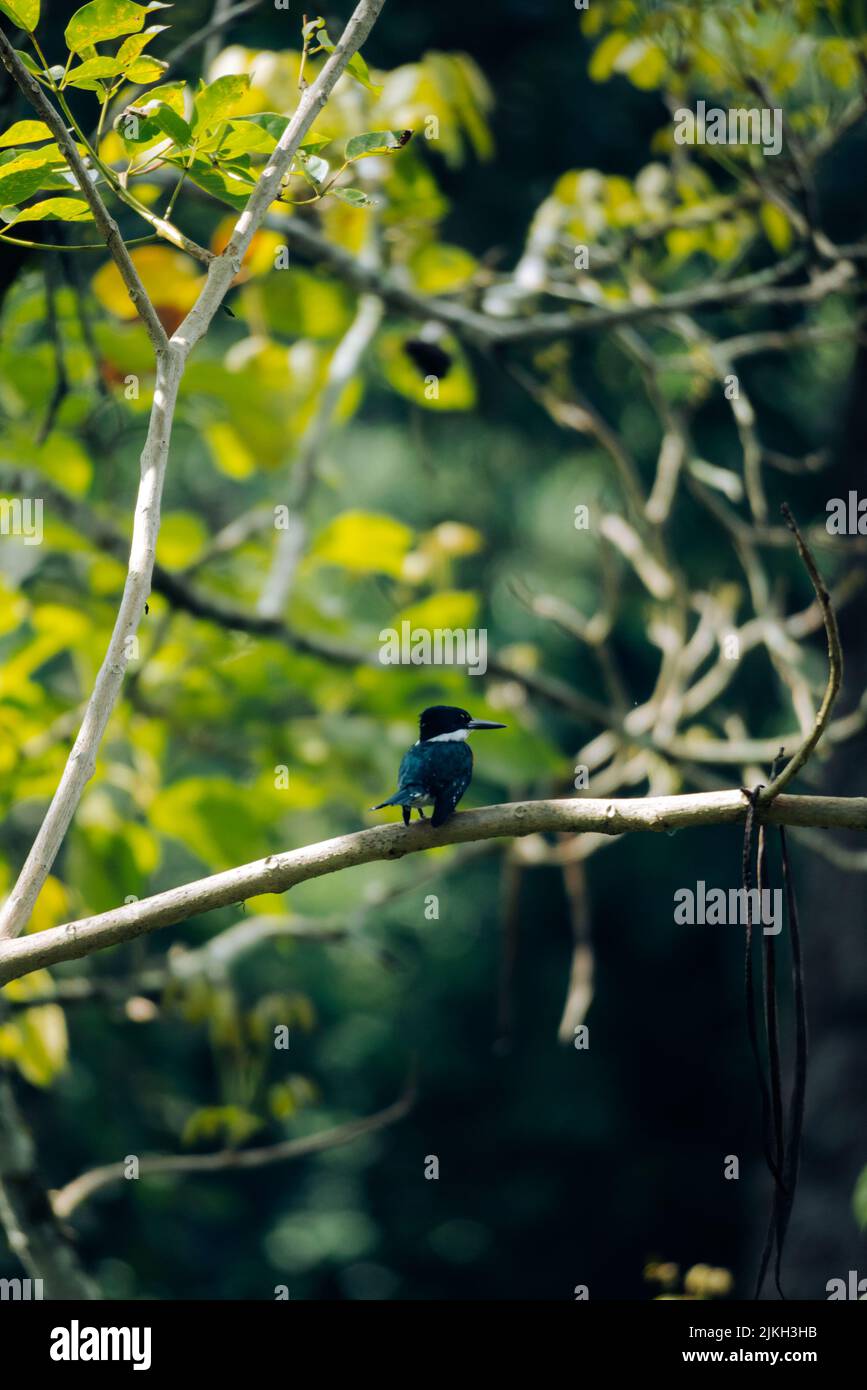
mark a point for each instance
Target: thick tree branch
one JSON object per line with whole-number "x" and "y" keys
{"x": 170, "y": 365}
{"x": 279, "y": 872}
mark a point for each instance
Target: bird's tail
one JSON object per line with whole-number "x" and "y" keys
{"x": 405, "y": 797}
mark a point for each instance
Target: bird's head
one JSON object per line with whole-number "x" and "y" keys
{"x": 447, "y": 722}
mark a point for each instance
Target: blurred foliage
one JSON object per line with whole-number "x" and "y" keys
{"x": 699, "y": 1282}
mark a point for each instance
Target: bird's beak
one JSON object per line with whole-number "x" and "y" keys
{"x": 484, "y": 724}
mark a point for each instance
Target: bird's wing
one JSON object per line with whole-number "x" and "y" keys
{"x": 408, "y": 772}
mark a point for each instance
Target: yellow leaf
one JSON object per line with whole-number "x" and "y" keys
{"x": 776, "y": 225}
{"x": 644, "y": 64}
{"x": 35, "y": 1040}
{"x": 440, "y": 269}
{"x": 837, "y": 62}
{"x": 364, "y": 542}
{"x": 52, "y": 907}
{"x": 229, "y": 451}
{"x": 168, "y": 276}
{"x": 452, "y": 608}
{"x": 602, "y": 63}
{"x": 68, "y": 624}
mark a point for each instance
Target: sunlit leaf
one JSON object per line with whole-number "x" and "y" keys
{"x": 275, "y": 125}
{"x": 93, "y": 71}
{"x": 441, "y": 269}
{"x": 132, "y": 47}
{"x": 26, "y": 174}
{"x": 363, "y": 542}
{"x": 24, "y": 13}
{"x": 168, "y": 276}
{"x": 104, "y": 19}
{"x": 229, "y": 451}
{"x": 56, "y": 210}
{"x": 304, "y": 305}
{"x": 170, "y": 94}
{"x": 356, "y": 65}
{"x": 219, "y": 100}
{"x": 35, "y": 1040}
{"x": 25, "y": 133}
{"x": 37, "y": 1043}
{"x": 601, "y": 65}
{"x": 146, "y": 70}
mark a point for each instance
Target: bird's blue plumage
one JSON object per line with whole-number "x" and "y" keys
{"x": 433, "y": 774}
{"x": 437, "y": 770}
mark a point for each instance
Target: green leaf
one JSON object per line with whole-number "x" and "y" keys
{"x": 353, "y": 196}
{"x": 26, "y": 174}
{"x": 30, "y": 63}
{"x": 376, "y": 142}
{"x": 217, "y": 101}
{"x": 24, "y": 13}
{"x": 146, "y": 70}
{"x": 90, "y": 73}
{"x": 275, "y": 125}
{"x": 361, "y": 72}
{"x": 173, "y": 125}
{"x": 132, "y": 47}
{"x": 314, "y": 169}
{"x": 104, "y": 19}
{"x": 304, "y": 305}
{"x": 171, "y": 94}
{"x": 244, "y": 138}
{"x": 55, "y": 210}
{"x": 25, "y": 133}
{"x": 228, "y": 1123}
{"x": 219, "y": 184}
{"x": 268, "y": 121}
{"x": 356, "y": 65}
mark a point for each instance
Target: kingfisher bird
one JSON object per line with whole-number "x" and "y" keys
{"x": 437, "y": 770}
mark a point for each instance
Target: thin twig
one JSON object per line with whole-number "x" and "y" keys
{"x": 66, "y": 1199}
{"x": 835, "y": 667}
